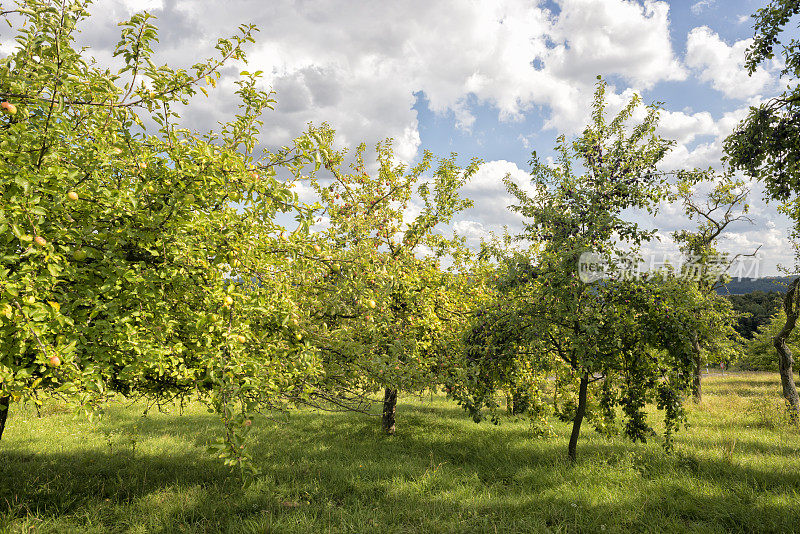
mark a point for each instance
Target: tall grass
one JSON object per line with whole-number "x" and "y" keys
{"x": 737, "y": 469}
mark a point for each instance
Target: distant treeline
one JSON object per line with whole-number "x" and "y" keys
{"x": 760, "y": 305}
{"x": 747, "y": 285}
{"x": 760, "y": 298}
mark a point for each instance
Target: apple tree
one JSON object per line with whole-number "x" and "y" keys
{"x": 630, "y": 333}
{"x": 138, "y": 256}
{"x": 496, "y": 359}
{"x": 386, "y": 310}
{"x": 708, "y": 267}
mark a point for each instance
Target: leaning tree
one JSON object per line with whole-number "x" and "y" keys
{"x": 766, "y": 145}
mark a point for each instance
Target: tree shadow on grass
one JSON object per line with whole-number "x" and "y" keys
{"x": 338, "y": 472}
{"x": 53, "y": 484}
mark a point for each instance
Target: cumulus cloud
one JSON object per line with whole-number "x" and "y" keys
{"x": 487, "y": 191}
{"x": 358, "y": 66}
{"x": 134, "y": 6}
{"x": 699, "y": 137}
{"x": 698, "y": 7}
{"x": 615, "y": 37}
{"x": 361, "y": 66}
{"x": 722, "y": 65}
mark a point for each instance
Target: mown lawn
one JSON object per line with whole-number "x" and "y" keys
{"x": 737, "y": 469}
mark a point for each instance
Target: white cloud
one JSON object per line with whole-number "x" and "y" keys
{"x": 134, "y": 6}
{"x": 358, "y": 66}
{"x": 489, "y": 176}
{"x": 473, "y": 231}
{"x": 686, "y": 128}
{"x": 698, "y": 7}
{"x": 615, "y": 37}
{"x": 490, "y": 214}
{"x": 722, "y": 65}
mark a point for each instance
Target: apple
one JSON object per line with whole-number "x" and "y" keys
{"x": 241, "y": 339}
{"x": 9, "y": 108}
{"x": 248, "y": 422}
{"x": 190, "y": 198}
{"x": 228, "y": 301}
{"x": 371, "y": 304}
{"x": 298, "y": 336}
{"x": 40, "y": 240}
{"x": 55, "y": 361}
{"x": 369, "y": 319}
{"x": 116, "y": 150}
{"x": 79, "y": 255}
{"x": 317, "y": 248}
{"x": 336, "y": 267}
{"x": 72, "y": 195}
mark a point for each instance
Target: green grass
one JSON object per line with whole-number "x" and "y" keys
{"x": 737, "y": 469}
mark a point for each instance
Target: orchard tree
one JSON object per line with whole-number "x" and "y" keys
{"x": 123, "y": 234}
{"x": 384, "y": 303}
{"x": 706, "y": 265}
{"x": 781, "y": 342}
{"x": 630, "y": 332}
{"x": 766, "y": 145}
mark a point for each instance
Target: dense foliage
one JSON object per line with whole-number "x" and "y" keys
{"x": 139, "y": 258}
{"x": 120, "y": 231}
{"x": 631, "y": 334}
{"x": 385, "y": 314}
{"x": 759, "y": 352}
{"x": 754, "y": 309}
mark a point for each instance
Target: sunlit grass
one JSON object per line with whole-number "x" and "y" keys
{"x": 736, "y": 468}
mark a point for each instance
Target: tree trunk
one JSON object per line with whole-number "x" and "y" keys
{"x": 389, "y": 408}
{"x": 698, "y": 384}
{"x": 5, "y": 402}
{"x": 579, "y": 413}
{"x": 785, "y": 360}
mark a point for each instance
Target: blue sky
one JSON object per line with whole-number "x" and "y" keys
{"x": 494, "y": 79}
{"x": 496, "y": 139}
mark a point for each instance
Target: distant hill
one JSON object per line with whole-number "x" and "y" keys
{"x": 746, "y": 285}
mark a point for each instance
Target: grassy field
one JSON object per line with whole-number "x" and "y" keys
{"x": 737, "y": 469}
